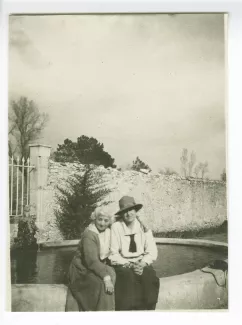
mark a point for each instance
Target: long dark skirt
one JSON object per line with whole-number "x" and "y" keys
{"x": 86, "y": 292}
{"x": 136, "y": 292}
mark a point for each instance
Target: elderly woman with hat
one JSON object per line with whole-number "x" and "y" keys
{"x": 133, "y": 250}
{"x": 91, "y": 279}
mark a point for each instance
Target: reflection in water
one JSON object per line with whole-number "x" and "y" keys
{"x": 51, "y": 265}
{"x": 24, "y": 266}
{"x": 176, "y": 259}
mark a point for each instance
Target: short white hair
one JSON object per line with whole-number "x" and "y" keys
{"x": 103, "y": 211}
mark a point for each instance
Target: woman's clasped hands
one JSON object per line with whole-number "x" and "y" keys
{"x": 137, "y": 267}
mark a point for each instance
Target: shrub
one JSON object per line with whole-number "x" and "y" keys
{"x": 26, "y": 231}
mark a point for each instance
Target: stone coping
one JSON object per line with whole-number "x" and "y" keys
{"x": 191, "y": 242}
{"x": 170, "y": 241}
{"x": 188, "y": 291}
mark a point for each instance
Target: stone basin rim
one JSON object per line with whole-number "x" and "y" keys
{"x": 193, "y": 274}
{"x": 160, "y": 241}
{"x": 194, "y": 285}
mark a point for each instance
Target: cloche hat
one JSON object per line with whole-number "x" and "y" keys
{"x": 128, "y": 203}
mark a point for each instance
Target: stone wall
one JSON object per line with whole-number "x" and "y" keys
{"x": 170, "y": 203}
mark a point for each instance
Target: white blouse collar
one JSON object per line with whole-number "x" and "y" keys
{"x": 104, "y": 238}
{"x": 93, "y": 228}
{"x": 136, "y": 229}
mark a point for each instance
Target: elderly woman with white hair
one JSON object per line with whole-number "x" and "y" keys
{"x": 91, "y": 279}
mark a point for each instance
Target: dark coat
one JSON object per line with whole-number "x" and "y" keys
{"x": 86, "y": 275}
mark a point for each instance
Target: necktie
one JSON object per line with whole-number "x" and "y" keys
{"x": 132, "y": 245}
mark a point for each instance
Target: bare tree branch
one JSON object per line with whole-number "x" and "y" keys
{"x": 26, "y": 124}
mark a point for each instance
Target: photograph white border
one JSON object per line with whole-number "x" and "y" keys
{"x": 234, "y": 157}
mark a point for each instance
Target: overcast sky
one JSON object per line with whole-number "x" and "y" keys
{"x": 143, "y": 85}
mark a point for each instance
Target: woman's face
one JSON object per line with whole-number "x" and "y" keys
{"x": 129, "y": 216}
{"x": 102, "y": 222}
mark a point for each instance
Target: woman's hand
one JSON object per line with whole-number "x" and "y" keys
{"x": 127, "y": 265}
{"x": 108, "y": 284}
{"x": 138, "y": 267}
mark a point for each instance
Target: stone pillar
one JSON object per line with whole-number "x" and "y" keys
{"x": 39, "y": 157}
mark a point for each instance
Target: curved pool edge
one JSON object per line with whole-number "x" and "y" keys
{"x": 170, "y": 241}
{"x": 189, "y": 291}
{"x": 194, "y": 290}
{"x": 192, "y": 242}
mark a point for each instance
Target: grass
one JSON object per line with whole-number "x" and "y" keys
{"x": 219, "y": 233}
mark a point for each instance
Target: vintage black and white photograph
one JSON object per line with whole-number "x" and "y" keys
{"x": 117, "y": 162}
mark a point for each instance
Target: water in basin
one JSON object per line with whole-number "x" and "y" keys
{"x": 50, "y": 266}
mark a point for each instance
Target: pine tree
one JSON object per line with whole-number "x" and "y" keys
{"x": 78, "y": 201}
{"x": 138, "y": 164}
{"x": 85, "y": 150}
